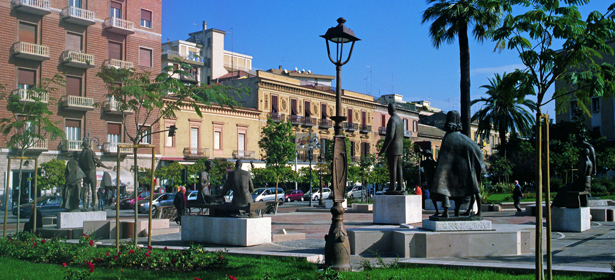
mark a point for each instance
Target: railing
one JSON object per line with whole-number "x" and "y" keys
{"x": 236, "y": 66}
{"x": 365, "y": 128}
{"x": 243, "y": 154}
{"x": 324, "y": 123}
{"x": 407, "y": 133}
{"x": 350, "y": 126}
{"x": 382, "y": 130}
{"x": 112, "y": 62}
{"x": 191, "y": 57}
{"x": 114, "y": 106}
{"x": 71, "y": 11}
{"x": 31, "y": 96}
{"x": 296, "y": 120}
{"x": 73, "y": 56}
{"x": 196, "y": 152}
{"x": 276, "y": 117}
{"x": 71, "y": 145}
{"x": 77, "y": 101}
{"x": 38, "y": 4}
{"x": 310, "y": 121}
{"x": 111, "y": 147}
{"x": 119, "y": 23}
{"x": 37, "y": 144}
{"x": 29, "y": 48}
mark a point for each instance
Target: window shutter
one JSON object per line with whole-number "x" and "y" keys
{"x": 73, "y": 42}
{"x": 72, "y": 123}
{"x": 323, "y": 109}
{"x": 308, "y": 109}
{"x": 26, "y": 77}
{"x": 349, "y": 115}
{"x": 293, "y": 107}
{"x": 146, "y": 15}
{"x": 274, "y": 104}
{"x": 363, "y": 118}
{"x": 113, "y": 128}
{"x": 73, "y": 86}
{"x": 115, "y": 50}
{"x": 27, "y": 33}
{"x": 145, "y": 57}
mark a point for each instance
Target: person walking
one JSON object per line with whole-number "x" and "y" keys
{"x": 100, "y": 194}
{"x": 180, "y": 203}
{"x": 517, "y": 195}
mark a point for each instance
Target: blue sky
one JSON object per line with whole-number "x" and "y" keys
{"x": 395, "y": 54}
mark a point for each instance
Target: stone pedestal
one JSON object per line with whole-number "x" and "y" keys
{"x": 397, "y": 209}
{"x": 570, "y": 219}
{"x": 226, "y": 230}
{"x": 457, "y": 225}
{"x": 329, "y": 203}
{"x": 76, "y": 219}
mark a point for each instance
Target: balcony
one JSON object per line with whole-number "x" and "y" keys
{"x": 78, "y": 16}
{"x": 188, "y": 78}
{"x": 196, "y": 153}
{"x": 324, "y": 123}
{"x": 77, "y": 103}
{"x": 310, "y": 121}
{"x": 30, "y": 51}
{"x": 243, "y": 154}
{"x": 77, "y": 59}
{"x": 119, "y": 26}
{"x": 407, "y": 133}
{"x": 365, "y": 128}
{"x": 350, "y": 126}
{"x": 113, "y": 107}
{"x": 31, "y": 96}
{"x": 70, "y": 145}
{"x": 276, "y": 117}
{"x": 382, "y": 130}
{"x": 190, "y": 59}
{"x": 296, "y": 120}
{"x": 37, "y": 7}
{"x": 116, "y": 63}
{"x": 110, "y": 147}
{"x": 36, "y": 145}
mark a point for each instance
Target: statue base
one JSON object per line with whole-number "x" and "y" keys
{"x": 397, "y": 209}
{"x": 392, "y": 192}
{"x": 455, "y": 218}
{"x": 457, "y": 225}
{"x": 226, "y": 231}
{"x": 76, "y": 219}
{"x": 570, "y": 219}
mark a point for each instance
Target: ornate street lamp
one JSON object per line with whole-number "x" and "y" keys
{"x": 337, "y": 248}
{"x": 310, "y": 149}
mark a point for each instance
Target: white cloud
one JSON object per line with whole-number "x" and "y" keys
{"x": 500, "y": 69}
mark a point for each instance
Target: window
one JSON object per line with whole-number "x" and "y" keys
{"x": 26, "y": 79}
{"x": 573, "y": 107}
{"x": 217, "y": 139}
{"x": 274, "y": 104}
{"x": 27, "y": 33}
{"x": 74, "y": 42}
{"x": 293, "y": 107}
{"x": 383, "y": 123}
{"x": 364, "y": 149}
{"x": 349, "y": 115}
{"x": 115, "y": 50}
{"x": 115, "y": 10}
{"x": 73, "y": 86}
{"x": 352, "y": 149}
{"x": 145, "y": 57}
{"x": 307, "y": 112}
{"x": 147, "y": 138}
{"x": 415, "y": 126}
{"x": 194, "y": 138}
{"x": 241, "y": 143}
{"x": 74, "y": 3}
{"x": 209, "y": 42}
{"x": 146, "y": 18}
{"x": 596, "y": 104}
{"x": 323, "y": 111}
{"x": 169, "y": 142}
{"x": 113, "y": 132}
{"x": 405, "y": 124}
{"x": 363, "y": 118}
{"x": 72, "y": 128}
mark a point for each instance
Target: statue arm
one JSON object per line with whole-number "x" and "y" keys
{"x": 250, "y": 186}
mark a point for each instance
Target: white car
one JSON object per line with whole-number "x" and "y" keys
{"x": 316, "y": 193}
{"x": 267, "y": 194}
{"x": 352, "y": 192}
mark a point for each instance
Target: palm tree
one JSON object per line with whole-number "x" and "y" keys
{"x": 505, "y": 108}
{"x": 451, "y": 19}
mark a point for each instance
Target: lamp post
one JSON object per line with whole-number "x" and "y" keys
{"x": 310, "y": 149}
{"x": 321, "y": 201}
{"x": 337, "y": 248}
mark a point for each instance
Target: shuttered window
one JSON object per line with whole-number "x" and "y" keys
{"x": 113, "y": 132}
{"x": 73, "y": 86}
{"x": 146, "y": 19}
{"x": 74, "y": 42}
{"x": 323, "y": 110}
{"x": 274, "y": 104}
{"x": 27, "y": 33}
{"x": 145, "y": 57}
{"x": 308, "y": 111}
{"x": 115, "y": 10}
{"x": 72, "y": 129}
{"x": 293, "y": 107}
{"x": 26, "y": 77}
{"x": 349, "y": 115}
{"x": 363, "y": 118}
{"x": 115, "y": 50}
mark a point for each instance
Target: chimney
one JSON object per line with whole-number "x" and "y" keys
{"x": 204, "y": 25}
{"x": 280, "y": 67}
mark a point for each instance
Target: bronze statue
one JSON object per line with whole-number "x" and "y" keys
{"x": 393, "y": 149}
{"x": 73, "y": 175}
{"x": 88, "y": 163}
{"x": 586, "y": 168}
{"x": 460, "y": 167}
{"x": 429, "y": 166}
{"x": 205, "y": 191}
{"x": 240, "y": 182}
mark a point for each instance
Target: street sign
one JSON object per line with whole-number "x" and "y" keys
{"x": 306, "y": 139}
{"x": 228, "y": 169}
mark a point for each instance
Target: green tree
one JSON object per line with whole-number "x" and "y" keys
{"x": 217, "y": 176}
{"x": 500, "y": 168}
{"x": 278, "y": 149}
{"x": 452, "y": 18}
{"x": 30, "y": 123}
{"x": 505, "y": 108}
{"x": 172, "y": 173}
{"x": 51, "y": 174}
{"x": 304, "y": 175}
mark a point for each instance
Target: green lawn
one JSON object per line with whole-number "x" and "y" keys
{"x": 256, "y": 267}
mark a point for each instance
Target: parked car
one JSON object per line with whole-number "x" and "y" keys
{"x": 228, "y": 197}
{"x": 191, "y": 196}
{"x": 296, "y": 195}
{"x": 160, "y": 199}
{"x": 267, "y": 194}
{"x": 129, "y": 203}
{"x": 352, "y": 192}
{"x": 316, "y": 194}
{"x": 49, "y": 206}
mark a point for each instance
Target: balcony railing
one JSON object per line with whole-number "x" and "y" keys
{"x": 111, "y": 62}
{"x": 310, "y": 121}
{"x": 188, "y": 58}
{"x": 119, "y": 26}
{"x": 324, "y": 123}
{"x": 113, "y": 107}
{"x": 31, "y": 96}
{"x": 276, "y": 117}
{"x": 78, "y": 16}
{"x": 382, "y": 130}
{"x": 30, "y": 51}
{"x": 37, "y": 145}
{"x": 37, "y": 7}
{"x": 188, "y": 78}
{"x": 77, "y": 59}
{"x": 243, "y": 154}
{"x": 78, "y": 103}
{"x": 407, "y": 133}
{"x": 196, "y": 152}
{"x": 71, "y": 145}
{"x": 296, "y": 120}
{"x": 350, "y": 126}
{"x": 365, "y": 128}
{"x": 111, "y": 147}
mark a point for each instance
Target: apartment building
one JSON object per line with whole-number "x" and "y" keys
{"x": 409, "y": 117}
{"x": 77, "y": 38}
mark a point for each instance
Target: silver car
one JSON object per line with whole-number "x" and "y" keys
{"x": 160, "y": 199}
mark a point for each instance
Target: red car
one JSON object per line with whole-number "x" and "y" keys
{"x": 296, "y": 195}
{"x": 129, "y": 203}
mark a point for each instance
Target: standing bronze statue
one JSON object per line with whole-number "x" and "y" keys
{"x": 205, "y": 188}
{"x": 240, "y": 182}
{"x": 586, "y": 168}
{"x": 460, "y": 167}
{"x": 88, "y": 161}
{"x": 393, "y": 149}
{"x": 73, "y": 175}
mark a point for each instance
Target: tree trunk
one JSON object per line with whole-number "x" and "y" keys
{"x": 277, "y": 180}
{"x": 464, "y": 63}
{"x": 19, "y": 196}
{"x": 136, "y": 182}
{"x": 503, "y": 139}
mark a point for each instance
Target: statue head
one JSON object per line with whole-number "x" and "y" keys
{"x": 453, "y": 122}
{"x": 209, "y": 164}
{"x": 391, "y": 108}
{"x": 75, "y": 155}
{"x": 85, "y": 144}
{"x": 238, "y": 164}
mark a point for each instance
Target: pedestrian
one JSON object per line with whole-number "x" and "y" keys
{"x": 425, "y": 194}
{"x": 180, "y": 203}
{"x": 419, "y": 191}
{"x": 101, "y": 198}
{"x": 517, "y": 195}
